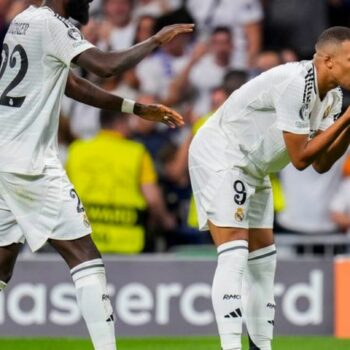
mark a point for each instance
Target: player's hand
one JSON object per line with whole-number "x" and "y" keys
{"x": 159, "y": 113}
{"x": 168, "y": 33}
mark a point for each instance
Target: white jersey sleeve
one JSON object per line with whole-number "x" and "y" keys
{"x": 289, "y": 105}
{"x": 63, "y": 40}
{"x": 334, "y": 110}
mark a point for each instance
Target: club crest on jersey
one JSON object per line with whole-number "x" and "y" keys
{"x": 304, "y": 111}
{"x": 75, "y": 34}
{"x": 239, "y": 214}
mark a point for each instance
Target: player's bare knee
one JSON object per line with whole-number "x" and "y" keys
{"x": 222, "y": 235}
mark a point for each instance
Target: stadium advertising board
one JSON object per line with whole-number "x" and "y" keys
{"x": 158, "y": 296}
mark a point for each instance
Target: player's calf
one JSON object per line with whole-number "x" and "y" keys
{"x": 8, "y": 257}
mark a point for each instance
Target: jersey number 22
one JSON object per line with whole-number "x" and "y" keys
{"x": 5, "y": 99}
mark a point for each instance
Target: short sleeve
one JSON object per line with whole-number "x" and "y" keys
{"x": 148, "y": 72}
{"x": 335, "y": 109}
{"x": 63, "y": 40}
{"x": 292, "y": 113}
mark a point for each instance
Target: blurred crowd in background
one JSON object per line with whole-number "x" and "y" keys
{"x": 131, "y": 174}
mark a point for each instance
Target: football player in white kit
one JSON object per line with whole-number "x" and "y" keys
{"x": 287, "y": 114}
{"x": 37, "y": 201}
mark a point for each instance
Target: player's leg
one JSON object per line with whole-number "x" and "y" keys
{"x": 258, "y": 284}
{"x": 259, "y": 302}
{"x": 8, "y": 257}
{"x": 222, "y": 202}
{"x": 88, "y": 273}
{"x": 232, "y": 248}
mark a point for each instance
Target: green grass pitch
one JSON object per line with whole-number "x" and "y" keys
{"x": 200, "y": 343}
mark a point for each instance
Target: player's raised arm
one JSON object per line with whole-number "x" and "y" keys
{"x": 107, "y": 64}
{"x": 84, "y": 91}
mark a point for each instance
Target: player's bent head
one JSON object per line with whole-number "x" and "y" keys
{"x": 333, "y": 50}
{"x": 79, "y": 10}
{"x": 333, "y": 37}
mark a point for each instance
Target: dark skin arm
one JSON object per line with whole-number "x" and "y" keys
{"x": 323, "y": 150}
{"x": 84, "y": 91}
{"x": 107, "y": 64}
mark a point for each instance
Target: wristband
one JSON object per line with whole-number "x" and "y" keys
{"x": 128, "y": 106}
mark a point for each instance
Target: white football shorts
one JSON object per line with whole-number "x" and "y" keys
{"x": 38, "y": 208}
{"x": 228, "y": 197}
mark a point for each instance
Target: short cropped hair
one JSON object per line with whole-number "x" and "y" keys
{"x": 333, "y": 35}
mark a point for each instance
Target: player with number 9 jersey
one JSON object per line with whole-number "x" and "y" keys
{"x": 288, "y": 114}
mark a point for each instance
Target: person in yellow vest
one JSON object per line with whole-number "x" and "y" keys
{"x": 116, "y": 181}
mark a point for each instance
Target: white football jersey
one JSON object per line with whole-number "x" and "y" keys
{"x": 247, "y": 130}
{"x": 35, "y": 62}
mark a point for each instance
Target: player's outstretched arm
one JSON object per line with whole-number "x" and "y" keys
{"x": 84, "y": 91}
{"x": 107, "y": 64}
{"x": 322, "y": 151}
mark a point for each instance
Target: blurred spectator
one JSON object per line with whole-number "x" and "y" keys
{"x": 157, "y": 71}
{"x": 118, "y": 28}
{"x": 204, "y": 71}
{"x": 264, "y": 61}
{"x": 340, "y": 206}
{"x": 144, "y": 29}
{"x": 307, "y": 196}
{"x": 340, "y": 202}
{"x": 96, "y": 8}
{"x": 288, "y": 55}
{"x": 117, "y": 183}
{"x": 242, "y": 16}
{"x": 177, "y": 192}
{"x": 153, "y": 8}
{"x": 295, "y": 24}
{"x": 233, "y": 80}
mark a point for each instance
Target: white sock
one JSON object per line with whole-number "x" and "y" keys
{"x": 95, "y": 306}
{"x": 258, "y": 301}
{"x": 227, "y": 292}
{"x": 2, "y": 286}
